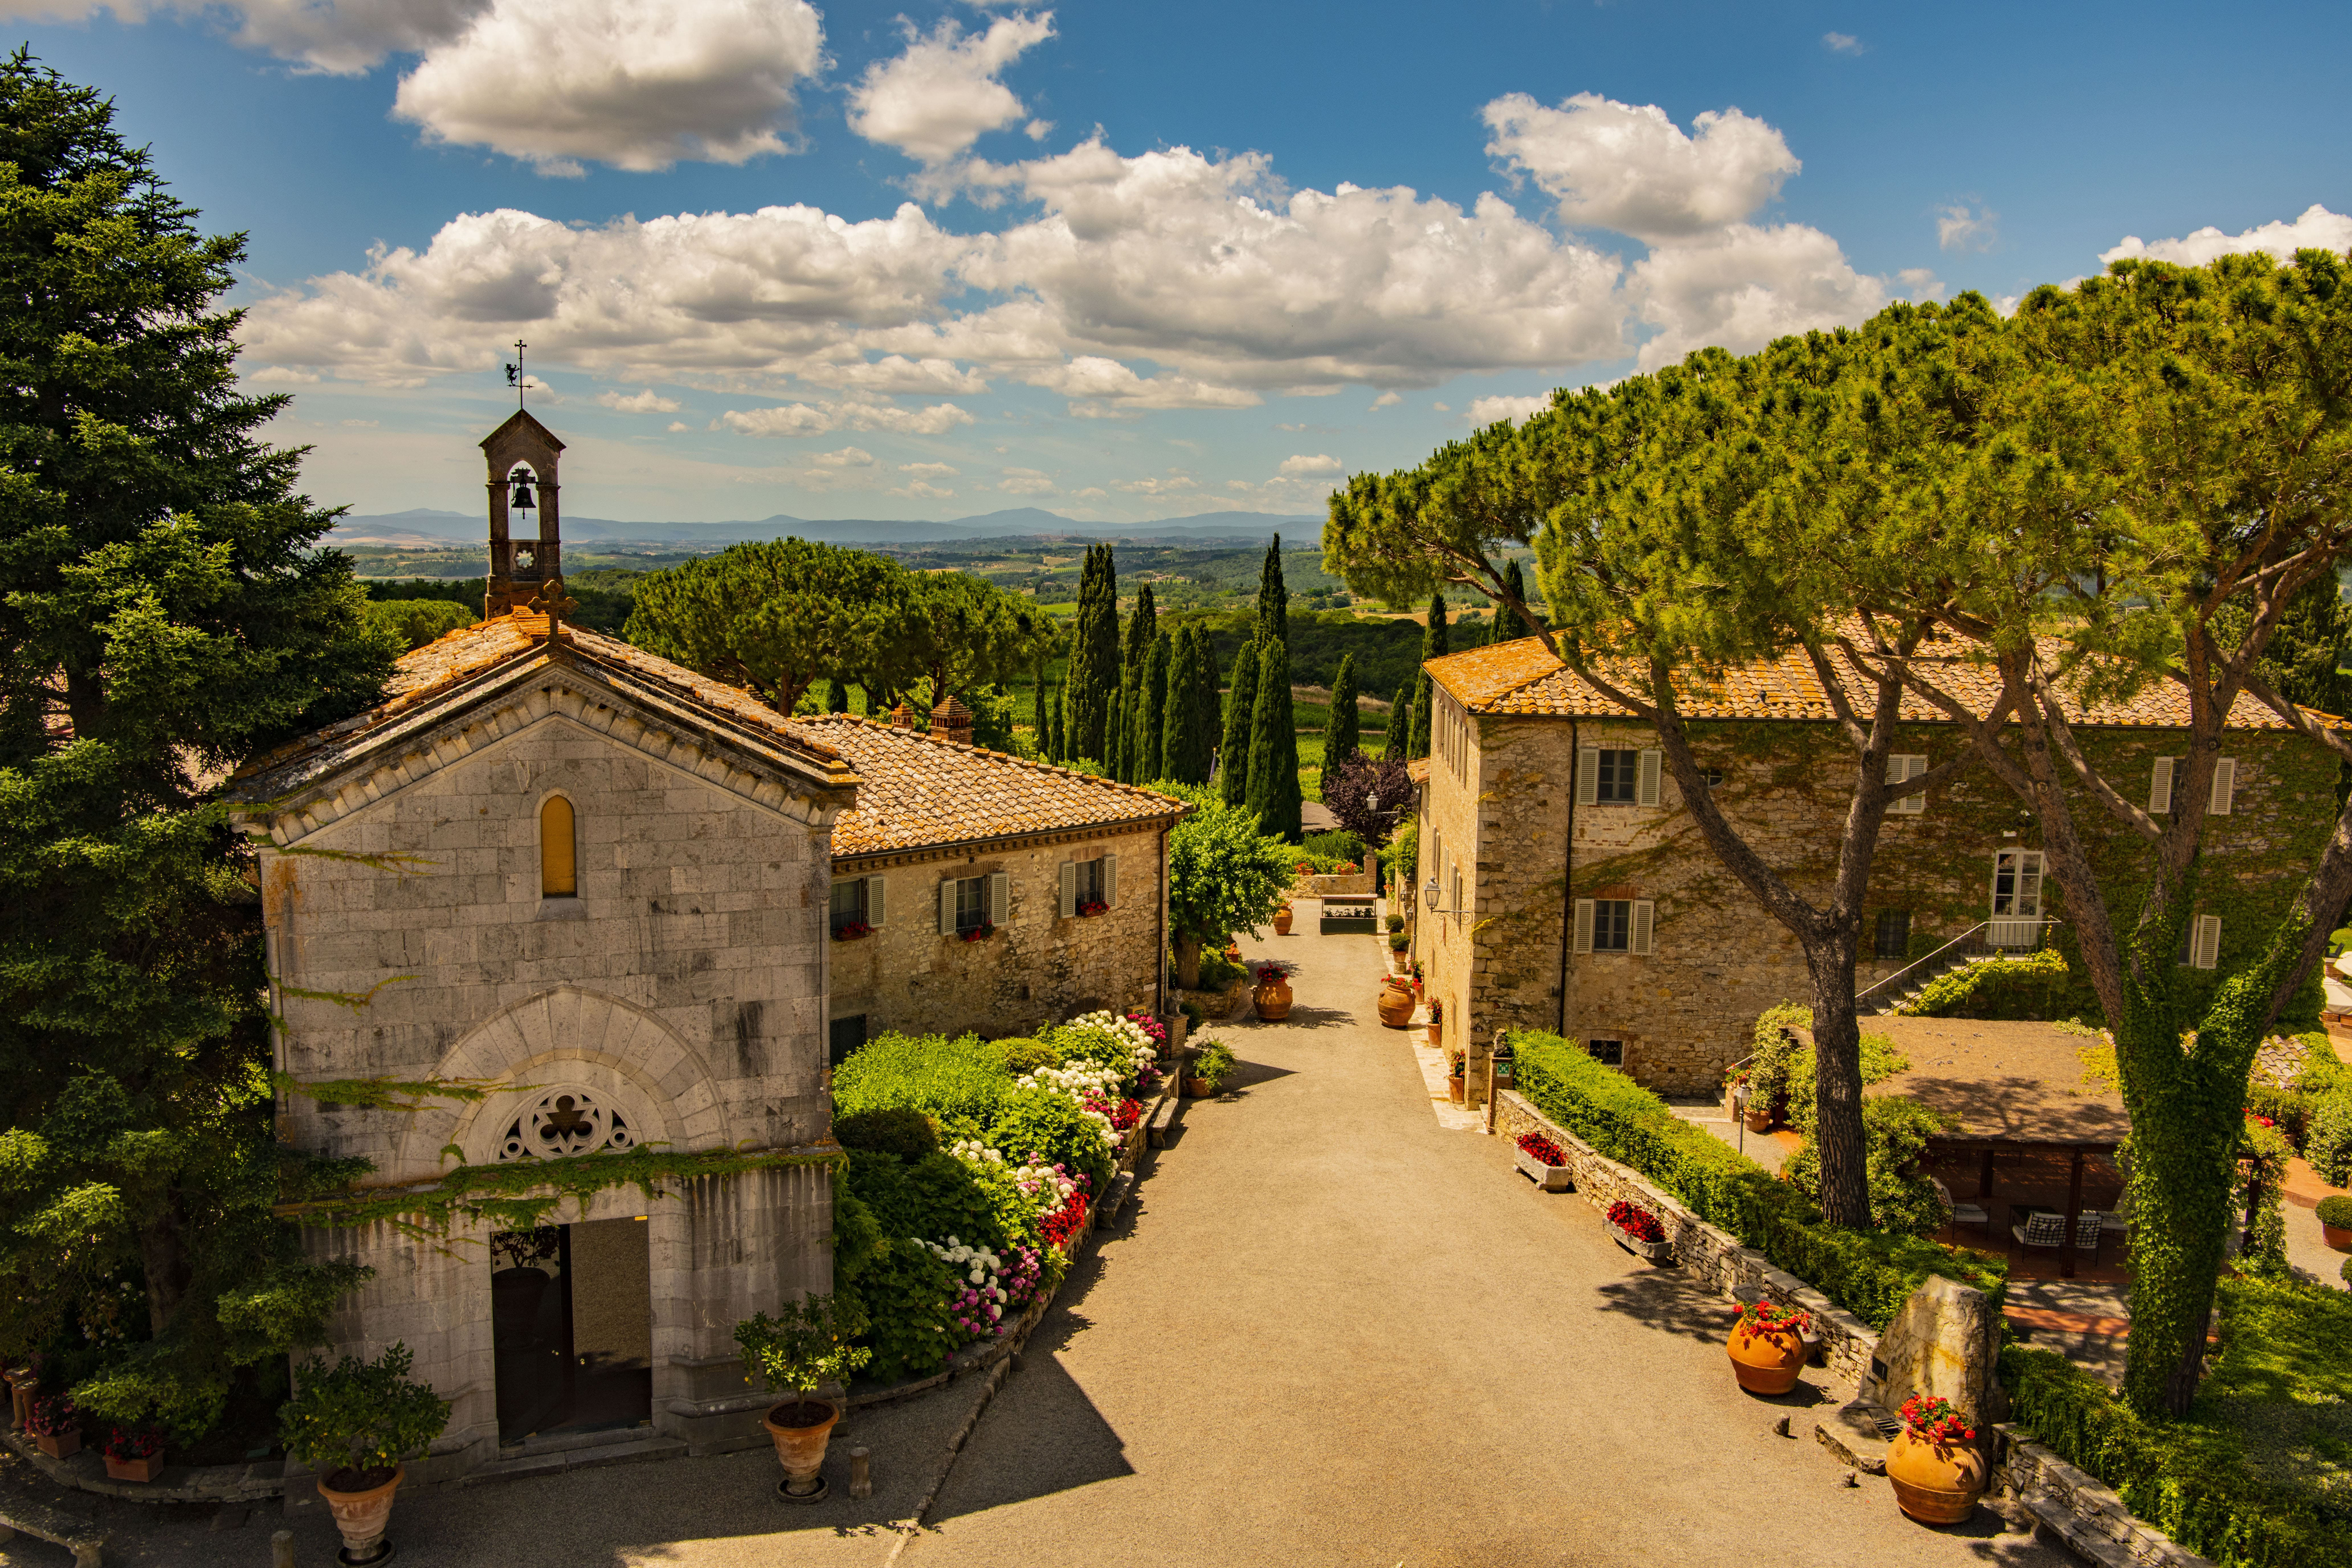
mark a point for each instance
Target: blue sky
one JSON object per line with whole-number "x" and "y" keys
{"x": 1129, "y": 262}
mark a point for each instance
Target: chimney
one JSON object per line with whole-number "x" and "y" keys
{"x": 951, "y": 720}
{"x": 901, "y": 718}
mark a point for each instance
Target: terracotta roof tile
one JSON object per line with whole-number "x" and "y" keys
{"x": 1521, "y": 677}
{"x": 917, "y": 792}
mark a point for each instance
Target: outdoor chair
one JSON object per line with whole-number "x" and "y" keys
{"x": 1960, "y": 1213}
{"x": 2047, "y": 1227}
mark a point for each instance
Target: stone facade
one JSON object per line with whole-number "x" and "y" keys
{"x": 677, "y": 996}
{"x": 1039, "y": 966}
{"x": 1513, "y": 851}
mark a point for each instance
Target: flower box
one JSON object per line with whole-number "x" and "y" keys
{"x": 1549, "y": 1178}
{"x": 1655, "y": 1251}
{"x": 146, "y": 1470}
{"x": 1639, "y": 1232}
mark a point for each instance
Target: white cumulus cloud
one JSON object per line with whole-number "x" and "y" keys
{"x": 942, "y": 95}
{"x": 844, "y": 458}
{"x": 819, "y": 419}
{"x": 344, "y": 38}
{"x": 1302, "y": 466}
{"x": 1385, "y": 400}
{"x": 638, "y": 84}
{"x": 1025, "y": 482}
{"x": 1632, "y": 170}
{"x": 1485, "y": 411}
{"x": 2317, "y": 229}
{"x": 1842, "y": 44}
{"x": 1961, "y": 226}
{"x": 645, "y": 402}
{"x": 1745, "y": 286}
{"x": 929, "y": 470}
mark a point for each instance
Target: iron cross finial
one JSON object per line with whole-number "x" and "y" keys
{"x": 515, "y": 377}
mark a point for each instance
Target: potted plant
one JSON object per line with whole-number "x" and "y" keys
{"x": 2335, "y": 1222}
{"x": 135, "y": 1455}
{"x": 852, "y": 931}
{"x": 1282, "y": 917}
{"x": 1768, "y": 1346}
{"x": 1272, "y": 995}
{"x": 1934, "y": 1464}
{"x": 56, "y": 1426}
{"x": 1542, "y": 1162}
{"x": 1637, "y": 1230}
{"x": 1396, "y": 1002}
{"x": 1416, "y": 979}
{"x": 1211, "y": 1067}
{"x": 354, "y": 1425}
{"x": 1455, "y": 1068}
{"x": 1436, "y": 1021}
{"x": 805, "y": 1346}
{"x": 1399, "y": 941}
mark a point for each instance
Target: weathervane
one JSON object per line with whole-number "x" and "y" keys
{"x": 515, "y": 377}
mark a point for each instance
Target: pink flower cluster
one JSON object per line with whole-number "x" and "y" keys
{"x": 1153, "y": 1029}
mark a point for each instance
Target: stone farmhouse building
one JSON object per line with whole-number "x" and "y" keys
{"x": 600, "y": 894}
{"x": 1575, "y": 894}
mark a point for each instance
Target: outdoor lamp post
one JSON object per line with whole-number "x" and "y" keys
{"x": 1432, "y": 893}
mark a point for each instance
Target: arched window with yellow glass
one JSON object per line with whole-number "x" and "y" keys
{"x": 558, "y": 857}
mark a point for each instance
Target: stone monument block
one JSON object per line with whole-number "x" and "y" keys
{"x": 1943, "y": 1340}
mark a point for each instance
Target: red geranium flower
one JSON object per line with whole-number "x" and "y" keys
{"x": 1935, "y": 1419}
{"x": 1542, "y": 1148}
{"x": 1636, "y": 1221}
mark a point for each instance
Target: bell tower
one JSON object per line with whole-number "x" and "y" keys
{"x": 522, "y": 454}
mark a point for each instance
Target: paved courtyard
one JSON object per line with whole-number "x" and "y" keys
{"x": 1332, "y": 1331}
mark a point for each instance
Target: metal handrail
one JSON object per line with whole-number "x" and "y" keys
{"x": 1909, "y": 969}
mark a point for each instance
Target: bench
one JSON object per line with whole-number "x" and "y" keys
{"x": 20, "y": 1514}
{"x": 1348, "y": 916}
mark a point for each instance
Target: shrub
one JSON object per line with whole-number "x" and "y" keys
{"x": 1396, "y": 922}
{"x": 2329, "y": 1143}
{"x": 1339, "y": 845}
{"x": 2039, "y": 985}
{"x": 2254, "y": 1477}
{"x": 805, "y": 1344}
{"x": 1046, "y": 1123}
{"x": 1869, "y": 1273}
{"x": 1895, "y": 1133}
{"x": 1022, "y": 1054}
{"x": 1215, "y": 1064}
{"x": 935, "y": 1195}
{"x": 353, "y": 1424}
{"x": 904, "y": 1288}
{"x": 954, "y": 1080}
{"x": 888, "y": 1130}
{"x": 1217, "y": 971}
{"x": 2335, "y": 1211}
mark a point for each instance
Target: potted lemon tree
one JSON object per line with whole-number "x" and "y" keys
{"x": 354, "y": 1425}
{"x": 805, "y": 1346}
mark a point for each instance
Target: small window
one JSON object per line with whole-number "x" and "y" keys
{"x": 1090, "y": 887}
{"x": 559, "y": 874}
{"x": 1900, "y": 769}
{"x": 1608, "y": 1053}
{"x": 850, "y": 908}
{"x": 1713, "y": 778}
{"x": 1893, "y": 934}
{"x": 1618, "y": 777}
{"x": 2201, "y": 942}
{"x": 1613, "y": 923}
{"x": 845, "y": 1036}
{"x": 970, "y": 903}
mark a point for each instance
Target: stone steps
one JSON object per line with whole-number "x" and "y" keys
{"x": 630, "y": 1447}
{"x": 21, "y": 1512}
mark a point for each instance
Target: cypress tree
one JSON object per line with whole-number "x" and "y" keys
{"x": 1233, "y": 753}
{"x": 1055, "y": 751}
{"x": 1400, "y": 725}
{"x": 1037, "y": 706}
{"x": 1178, "y": 760}
{"x": 1274, "y": 794}
{"x": 1432, "y": 646}
{"x": 1273, "y": 598}
{"x": 1339, "y": 734}
{"x": 837, "y": 697}
{"x": 1114, "y": 757}
{"x": 1508, "y": 627}
{"x": 1094, "y": 658}
{"x": 1142, "y": 630}
{"x": 1151, "y": 713}
{"x": 1206, "y": 717}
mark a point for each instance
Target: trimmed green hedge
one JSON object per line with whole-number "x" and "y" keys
{"x": 2235, "y": 1483}
{"x": 1866, "y": 1272}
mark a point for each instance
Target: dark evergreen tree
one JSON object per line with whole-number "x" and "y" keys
{"x": 836, "y": 695}
{"x": 1142, "y": 630}
{"x": 1274, "y": 794}
{"x": 1432, "y": 646}
{"x": 1507, "y": 626}
{"x": 1339, "y": 734}
{"x": 1037, "y": 723}
{"x": 1400, "y": 731}
{"x": 1151, "y": 713}
{"x": 1094, "y": 658}
{"x": 1207, "y": 718}
{"x": 1232, "y": 750}
{"x": 1273, "y": 598}
{"x": 1180, "y": 760}
{"x": 1052, "y": 750}
{"x": 168, "y": 609}
{"x": 1114, "y": 760}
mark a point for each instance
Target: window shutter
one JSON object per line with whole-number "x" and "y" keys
{"x": 2159, "y": 789}
{"x": 947, "y": 906}
{"x": 2225, "y": 783}
{"x": 1899, "y": 769}
{"x": 1584, "y": 925}
{"x": 1645, "y": 787}
{"x": 2205, "y": 951}
{"x": 1069, "y": 889}
{"x": 1110, "y": 880}
{"x": 874, "y": 901}
{"x": 1588, "y": 775}
{"x": 1000, "y": 897}
{"x": 1644, "y": 916}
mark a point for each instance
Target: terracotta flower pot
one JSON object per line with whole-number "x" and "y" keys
{"x": 1435, "y": 1033}
{"x": 2338, "y": 1237}
{"x": 1271, "y": 1000}
{"x": 146, "y": 1470}
{"x": 1935, "y": 1483}
{"x": 1282, "y": 920}
{"x": 1759, "y": 1121}
{"x": 1454, "y": 1089}
{"x": 361, "y": 1516}
{"x": 1766, "y": 1364}
{"x": 1198, "y": 1088}
{"x": 801, "y": 1449}
{"x": 61, "y": 1445}
{"x": 1396, "y": 1006}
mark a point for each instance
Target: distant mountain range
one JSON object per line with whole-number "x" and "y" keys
{"x": 425, "y": 529}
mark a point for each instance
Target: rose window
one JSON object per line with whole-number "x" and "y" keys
{"x": 564, "y": 1122}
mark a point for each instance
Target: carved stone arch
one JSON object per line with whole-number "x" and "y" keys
{"x": 567, "y": 1037}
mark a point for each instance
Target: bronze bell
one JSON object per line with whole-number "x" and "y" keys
{"x": 522, "y": 500}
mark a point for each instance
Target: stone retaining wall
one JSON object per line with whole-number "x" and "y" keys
{"x": 1320, "y": 885}
{"x": 1740, "y": 1272}
{"x": 2090, "y": 1518}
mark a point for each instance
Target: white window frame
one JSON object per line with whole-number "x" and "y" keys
{"x": 1641, "y": 926}
{"x": 2020, "y": 923}
{"x": 2205, "y": 941}
{"x": 1076, "y": 881}
{"x": 2160, "y": 787}
{"x": 1901, "y": 769}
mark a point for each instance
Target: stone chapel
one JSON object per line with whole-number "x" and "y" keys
{"x": 593, "y": 887}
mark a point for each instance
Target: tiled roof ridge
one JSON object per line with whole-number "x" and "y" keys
{"x": 1031, "y": 764}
